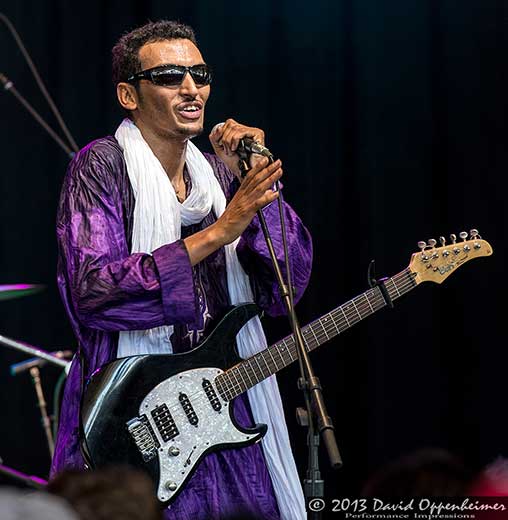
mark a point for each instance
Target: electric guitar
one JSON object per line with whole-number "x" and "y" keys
{"x": 164, "y": 413}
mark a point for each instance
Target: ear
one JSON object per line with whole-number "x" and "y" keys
{"x": 127, "y": 96}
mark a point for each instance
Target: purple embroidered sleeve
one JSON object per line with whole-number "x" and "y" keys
{"x": 109, "y": 288}
{"x": 255, "y": 257}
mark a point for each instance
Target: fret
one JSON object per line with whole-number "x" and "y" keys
{"x": 219, "y": 384}
{"x": 334, "y": 323}
{"x": 347, "y": 321}
{"x": 411, "y": 278}
{"x": 238, "y": 384}
{"x": 260, "y": 369}
{"x": 225, "y": 389}
{"x": 323, "y": 327}
{"x": 324, "y": 330}
{"x": 381, "y": 297}
{"x": 280, "y": 353}
{"x": 391, "y": 279}
{"x": 356, "y": 309}
{"x": 273, "y": 359}
{"x": 288, "y": 350}
{"x": 368, "y": 301}
{"x": 373, "y": 297}
{"x": 247, "y": 371}
{"x": 352, "y": 317}
{"x": 283, "y": 350}
{"x": 317, "y": 341}
{"x": 262, "y": 356}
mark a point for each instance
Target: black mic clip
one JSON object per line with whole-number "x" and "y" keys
{"x": 246, "y": 147}
{"x": 242, "y": 151}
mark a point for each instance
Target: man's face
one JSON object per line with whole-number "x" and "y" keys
{"x": 171, "y": 111}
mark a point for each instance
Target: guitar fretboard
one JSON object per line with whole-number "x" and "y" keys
{"x": 255, "y": 369}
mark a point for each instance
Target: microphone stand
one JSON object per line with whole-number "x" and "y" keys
{"x": 9, "y": 87}
{"x": 307, "y": 382}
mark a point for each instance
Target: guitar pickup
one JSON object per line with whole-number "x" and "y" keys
{"x": 164, "y": 422}
{"x": 188, "y": 409}
{"x": 211, "y": 394}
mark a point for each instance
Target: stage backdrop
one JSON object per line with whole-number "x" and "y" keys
{"x": 390, "y": 119}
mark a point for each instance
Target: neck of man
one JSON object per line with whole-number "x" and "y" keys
{"x": 169, "y": 151}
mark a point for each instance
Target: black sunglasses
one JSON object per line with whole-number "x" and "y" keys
{"x": 172, "y": 75}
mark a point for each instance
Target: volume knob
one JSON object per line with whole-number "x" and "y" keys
{"x": 170, "y": 485}
{"x": 173, "y": 451}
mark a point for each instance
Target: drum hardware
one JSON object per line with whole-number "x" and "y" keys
{"x": 33, "y": 366}
{"x": 8, "y": 292}
{"x": 29, "y": 480}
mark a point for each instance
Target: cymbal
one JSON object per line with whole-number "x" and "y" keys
{"x": 8, "y": 292}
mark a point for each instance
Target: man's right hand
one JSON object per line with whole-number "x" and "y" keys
{"x": 255, "y": 192}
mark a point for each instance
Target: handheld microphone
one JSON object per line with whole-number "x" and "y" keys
{"x": 247, "y": 145}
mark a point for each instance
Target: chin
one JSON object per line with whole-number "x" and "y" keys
{"x": 192, "y": 130}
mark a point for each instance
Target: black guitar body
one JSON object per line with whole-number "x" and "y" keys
{"x": 156, "y": 412}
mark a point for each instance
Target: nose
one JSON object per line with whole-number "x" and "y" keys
{"x": 188, "y": 87}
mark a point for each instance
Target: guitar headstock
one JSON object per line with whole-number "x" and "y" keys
{"x": 435, "y": 264}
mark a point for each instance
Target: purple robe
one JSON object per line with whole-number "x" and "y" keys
{"x": 105, "y": 289}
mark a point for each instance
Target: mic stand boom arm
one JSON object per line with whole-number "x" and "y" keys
{"x": 8, "y": 86}
{"x": 308, "y": 381}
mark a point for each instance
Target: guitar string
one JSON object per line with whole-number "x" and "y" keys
{"x": 377, "y": 303}
{"x": 224, "y": 380}
{"x": 231, "y": 391}
{"x": 228, "y": 390}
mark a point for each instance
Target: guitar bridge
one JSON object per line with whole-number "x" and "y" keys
{"x": 144, "y": 437}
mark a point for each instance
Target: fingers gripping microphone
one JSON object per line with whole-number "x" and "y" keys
{"x": 247, "y": 145}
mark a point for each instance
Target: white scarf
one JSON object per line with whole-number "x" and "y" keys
{"x": 158, "y": 218}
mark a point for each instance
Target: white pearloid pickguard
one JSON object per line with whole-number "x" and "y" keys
{"x": 213, "y": 427}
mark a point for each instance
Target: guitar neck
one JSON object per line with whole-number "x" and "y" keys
{"x": 255, "y": 369}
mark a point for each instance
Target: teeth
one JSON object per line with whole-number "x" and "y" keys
{"x": 191, "y": 109}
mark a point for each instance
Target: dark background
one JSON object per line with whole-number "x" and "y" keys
{"x": 390, "y": 118}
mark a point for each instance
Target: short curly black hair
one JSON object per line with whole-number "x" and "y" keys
{"x": 125, "y": 53}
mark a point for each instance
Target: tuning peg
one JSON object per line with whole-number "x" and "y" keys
{"x": 475, "y": 236}
{"x": 422, "y": 245}
{"x": 442, "y": 241}
{"x": 432, "y": 242}
{"x": 463, "y": 235}
{"x": 453, "y": 238}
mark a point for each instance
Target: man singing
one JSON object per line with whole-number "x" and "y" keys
{"x": 156, "y": 240}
